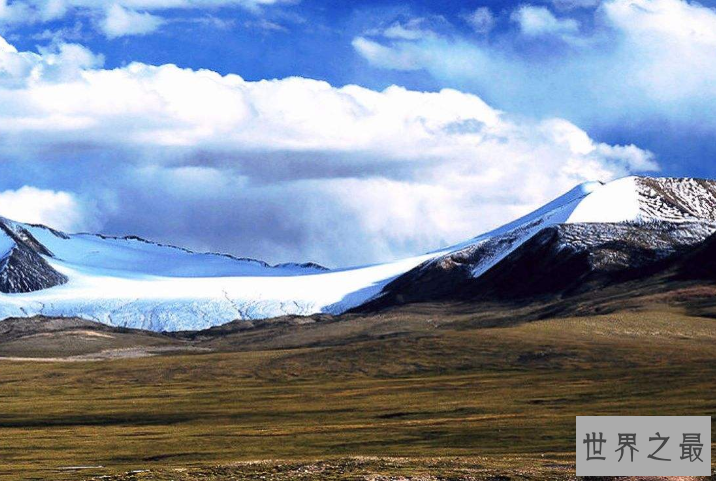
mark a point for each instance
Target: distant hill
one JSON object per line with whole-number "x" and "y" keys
{"x": 43, "y": 337}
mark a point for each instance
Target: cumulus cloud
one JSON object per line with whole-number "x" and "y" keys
{"x": 535, "y": 21}
{"x": 290, "y": 169}
{"x": 13, "y": 12}
{"x": 481, "y": 20}
{"x": 671, "y": 44}
{"x": 120, "y": 22}
{"x": 37, "y": 206}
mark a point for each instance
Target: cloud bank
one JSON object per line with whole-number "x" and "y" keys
{"x": 290, "y": 169}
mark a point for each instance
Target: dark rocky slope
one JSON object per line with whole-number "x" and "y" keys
{"x": 558, "y": 261}
{"x": 23, "y": 268}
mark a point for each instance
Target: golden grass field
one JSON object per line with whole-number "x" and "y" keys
{"x": 425, "y": 397}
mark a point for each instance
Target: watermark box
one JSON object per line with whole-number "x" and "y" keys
{"x": 643, "y": 445}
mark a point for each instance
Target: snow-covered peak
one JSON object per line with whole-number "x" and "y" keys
{"x": 629, "y": 199}
{"x": 128, "y": 281}
{"x": 648, "y": 199}
{"x": 616, "y": 201}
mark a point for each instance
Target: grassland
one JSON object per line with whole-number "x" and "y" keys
{"x": 412, "y": 394}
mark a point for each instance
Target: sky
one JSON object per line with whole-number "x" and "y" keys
{"x": 346, "y": 132}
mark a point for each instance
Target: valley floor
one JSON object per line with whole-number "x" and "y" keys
{"x": 420, "y": 393}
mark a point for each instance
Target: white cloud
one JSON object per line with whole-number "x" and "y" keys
{"x": 666, "y": 20}
{"x": 397, "y": 30}
{"x": 13, "y": 12}
{"x": 367, "y": 176}
{"x": 68, "y": 60}
{"x": 639, "y": 61}
{"x": 117, "y": 17}
{"x": 481, "y": 20}
{"x": 668, "y": 49}
{"x": 541, "y": 21}
{"x": 120, "y": 22}
{"x": 55, "y": 208}
{"x": 386, "y": 57}
{"x": 412, "y": 29}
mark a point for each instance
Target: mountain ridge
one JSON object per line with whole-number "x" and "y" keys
{"x": 131, "y": 282}
{"x": 132, "y": 237}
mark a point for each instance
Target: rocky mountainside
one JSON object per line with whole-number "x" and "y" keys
{"x": 559, "y": 261}
{"x": 594, "y": 235}
{"x": 601, "y": 232}
{"x": 567, "y": 247}
{"x": 676, "y": 199}
{"x": 23, "y": 267}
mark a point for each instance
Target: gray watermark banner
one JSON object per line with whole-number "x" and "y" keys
{"x": 643, "y": 445}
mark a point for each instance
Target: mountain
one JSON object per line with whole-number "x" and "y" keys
{"x": 559, "y": 260}
{"x": 594, "y": 235}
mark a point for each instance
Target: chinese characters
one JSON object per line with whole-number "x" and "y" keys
{"x": 691, "y": 446}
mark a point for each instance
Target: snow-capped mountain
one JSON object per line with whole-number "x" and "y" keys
{"x": 596, "y": 228}
{"x": 136, "y": 283}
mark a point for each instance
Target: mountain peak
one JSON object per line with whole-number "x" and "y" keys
{"x": 647, "y": 199}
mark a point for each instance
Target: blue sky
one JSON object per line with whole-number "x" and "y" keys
{"x": 100, "y": 133}
{"x": 308, "y": 39}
